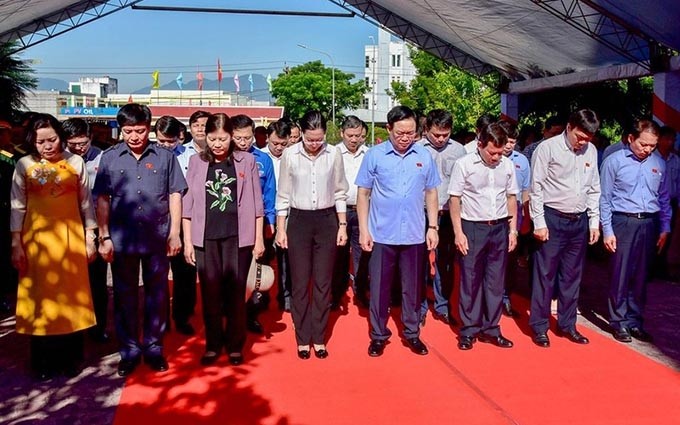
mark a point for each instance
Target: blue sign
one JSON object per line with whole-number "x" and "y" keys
{"x": 89, "y": 112}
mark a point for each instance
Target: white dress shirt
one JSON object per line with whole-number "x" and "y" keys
{"x": 565, "y": 180}
{"x": 352, "y": 162}
{"x": 311, "y": 183}
{"x": 471, "y": 147}
{"x": 276, "y": 161}
{"x": 445, "y": 158}
{"x": 483, "y": 190}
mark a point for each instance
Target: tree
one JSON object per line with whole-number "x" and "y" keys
{"x": 15, "y": 79}
{"x": 309, "y": 87}
{"x": 439, "y": 85}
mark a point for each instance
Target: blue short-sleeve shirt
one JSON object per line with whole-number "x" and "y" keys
{"x": 397, "y": 184}
{"x": 139, "y": 219}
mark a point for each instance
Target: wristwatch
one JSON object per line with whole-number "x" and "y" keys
{"x": 433, "y": 227}
{"x": 104, "y": 238}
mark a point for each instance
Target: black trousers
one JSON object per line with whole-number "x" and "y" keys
{"x": 100, "y": 293}
{"x": 360, "y": 258}
{"x": 223, "y": 270}
{"x": 311, "y": 246}
{"x": 558, "y": 269}
{"x": 386, "y": 261}
{"x": 635, "y": 250}
{"x": 183, "y": 288}
{"x": 482, "y": 277}
{"x": 50, "y": 353}
{"x": 125, "y": 271}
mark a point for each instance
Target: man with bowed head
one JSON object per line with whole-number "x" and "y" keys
{"x": 565, "y": 207}
{"x": 139, "y": 210}
{"x": 395, "y": 180}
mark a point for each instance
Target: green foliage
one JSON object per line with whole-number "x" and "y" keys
{"x": 439, "y": 85}
{"x": 309, "y": 87}
{"x": 15, "y": 79}
{"x": 617, "y": 104}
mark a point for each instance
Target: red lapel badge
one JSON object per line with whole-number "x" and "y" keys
{"x": 149, "y": 166}
{"x": 419, "y": 164}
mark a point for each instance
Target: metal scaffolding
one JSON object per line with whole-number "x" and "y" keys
{"x": 373, "y": 12}
{"x": 62, "y": 21}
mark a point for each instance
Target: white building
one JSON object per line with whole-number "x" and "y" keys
{"x": 386, "y": 62}
{"x": 97, "y": 86}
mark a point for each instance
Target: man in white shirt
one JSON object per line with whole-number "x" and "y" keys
{"x": 483, "y": 206}
{"x": 481, "y": 123}
{"x": 445, "y": 152}
{"x": 278, "y": 135}
{"x": 565, "y": 207}
{"x": 353, "y": 132}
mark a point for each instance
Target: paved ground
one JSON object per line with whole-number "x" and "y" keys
{"x": 92, "y": 397}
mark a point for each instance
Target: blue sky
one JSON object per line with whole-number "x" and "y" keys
{"x": 130, "y": 44}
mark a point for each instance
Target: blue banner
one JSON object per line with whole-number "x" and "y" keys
{"x": 89, "y": 112}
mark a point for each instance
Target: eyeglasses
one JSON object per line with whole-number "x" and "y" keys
{"x": 243, "y": 138}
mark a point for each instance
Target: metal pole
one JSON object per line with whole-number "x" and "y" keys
{"x": 332, "y": 76}
{"x": 374, "y": 62}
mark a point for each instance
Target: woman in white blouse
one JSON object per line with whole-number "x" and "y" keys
{"x": 312, "y": 193}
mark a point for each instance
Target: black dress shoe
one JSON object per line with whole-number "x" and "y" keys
{"x": 640, "y": 334}
{"x": 304, "y": 354}
{"x": 321, "y": 354}
{"x": 574, "y": 336}
{"x": 417, "y": 346}
{"x": 465, "y": 342}
{"x": 209, "y": 358}
{"x": 157, "y": 363}
{"x": 235, "y": 359}
{"x": 541, "y": 339}
{"x": 254, "y": 326}
{"x": 127, "y": 366}
{"x": 185, "y": 328}
{"x": 376, "y": 348}
{"x": 508, "y": 311}
{"x": 498, "y": 341}
{"x": 622, "y": 335}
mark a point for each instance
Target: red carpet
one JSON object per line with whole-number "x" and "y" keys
{"x": 601, "y": 383}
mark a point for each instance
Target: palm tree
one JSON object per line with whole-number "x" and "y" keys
{"x": 16, "y": 77}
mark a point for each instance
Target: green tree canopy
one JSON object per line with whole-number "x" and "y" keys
{"x": 15, "y": 79}
{"x": 439, "y": 85}
{"x": 309, "y": 87}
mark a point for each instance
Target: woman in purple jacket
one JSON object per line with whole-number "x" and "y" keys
{"x": 222, "y": 221}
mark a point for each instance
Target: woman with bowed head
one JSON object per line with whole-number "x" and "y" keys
{"x": 312, "y": 193}
{"x": 52, "y": 224}
{"x": 222, "y": 216}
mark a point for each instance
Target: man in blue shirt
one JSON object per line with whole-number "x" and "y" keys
{"x": 636, "y": 219}
{"x": 139, "y": 190}
{"x": 395, "y": 180}
{"x": 244, "y": 138}
{"x": 168, "y": 131}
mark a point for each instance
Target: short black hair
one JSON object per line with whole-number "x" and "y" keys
{"x": 134, "y": 114}
{"x": 439, "y": 118}
{"x": 242, "y": 121}
{"x": 553, "y": 121}
{"x": 483, "y": 121}
{"x": 400, "y": 113}
{"x": 493, "y": 133}
{"x": 586, "y": 120}
{"x": 216, "y": 122}
{"x": 645, "y": 126}
{"x": 197, "y": 115}
{"x": 510, "y": 129}
{"x": 76, "y": 127}
{"x": 281, "y": 128}
{"x": 352, "y": 121}
{"x": 168, "y": 126}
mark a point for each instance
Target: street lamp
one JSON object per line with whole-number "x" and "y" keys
{"x": 332, "y": 75}
{"x": 373, "y": 61}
